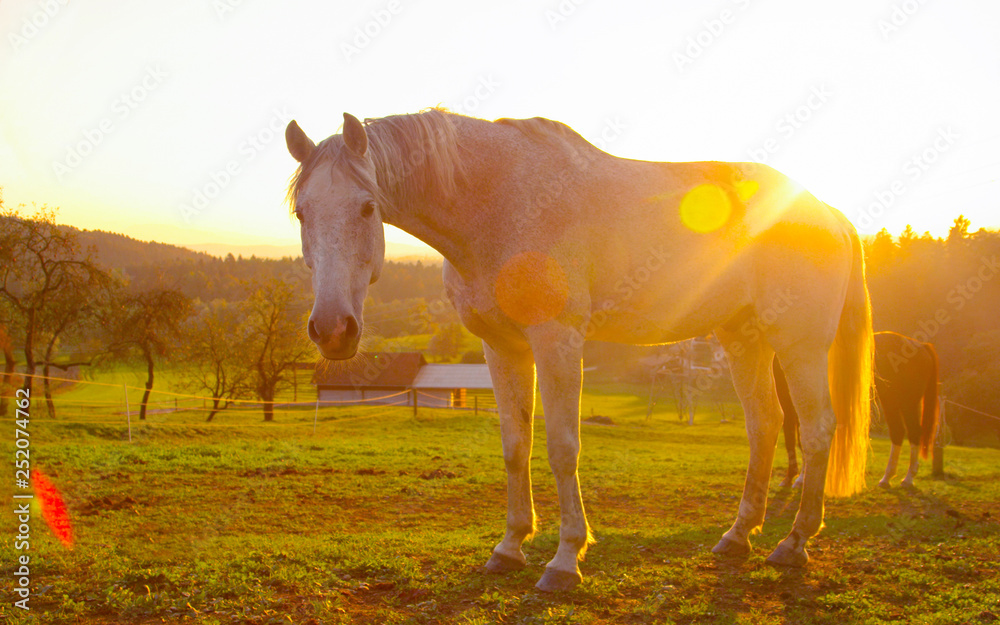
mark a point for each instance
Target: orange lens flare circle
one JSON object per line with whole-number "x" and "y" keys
{"x": 532, "y": 288}
{"x": 53, "y": 509}
{"x": 706, "y": 208}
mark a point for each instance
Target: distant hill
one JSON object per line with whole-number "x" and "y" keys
{"x": 394, "y": 251}
{"x": 222, "y": 273}
{"x": 114, "y": 251}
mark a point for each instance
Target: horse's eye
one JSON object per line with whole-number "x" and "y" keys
{"x": 368, "y": 209}
{"x": 298, "y": 214}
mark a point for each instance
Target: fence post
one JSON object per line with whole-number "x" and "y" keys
{"x": 475, "y": 403}
{"x": 414, "y": 402}
{"x": 128, "y": 414}
{"x": 937, "y": 458}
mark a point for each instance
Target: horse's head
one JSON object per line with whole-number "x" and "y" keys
{"x": 336, "y": 199}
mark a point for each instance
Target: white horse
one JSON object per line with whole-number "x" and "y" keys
{"x": 549, "y": 241}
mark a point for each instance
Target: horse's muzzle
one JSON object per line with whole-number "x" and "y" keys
{"x": 337, "y": 339}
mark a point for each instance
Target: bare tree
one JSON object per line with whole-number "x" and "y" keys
{"x": 275, "y": 338}
{"x": 145, "y": 326}
{"x": 42, "y": 274}
{"x": 9, "y": 365}
{"x": 216, "y": 350}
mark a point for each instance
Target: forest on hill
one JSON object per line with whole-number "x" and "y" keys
{"x": 945, "y": 291}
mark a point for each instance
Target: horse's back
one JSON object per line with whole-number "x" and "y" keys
{"x": 711, "y": 241}
{"x": 902, "y": 367}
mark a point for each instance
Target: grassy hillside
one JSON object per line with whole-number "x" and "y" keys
{"x": 383, "y": 517}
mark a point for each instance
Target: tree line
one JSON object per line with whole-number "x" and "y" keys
{"x": 60, "y": 308}
{"x": 72, "y": 298}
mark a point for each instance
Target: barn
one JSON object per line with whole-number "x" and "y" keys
{"x": 395, "y": 379}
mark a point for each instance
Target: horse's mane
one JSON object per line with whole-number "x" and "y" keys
{"x": 418, "y": 155}
{"x": 413, "y": 155}
{"x": 547, "y": 131}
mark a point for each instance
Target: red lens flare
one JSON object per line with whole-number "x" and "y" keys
{"x": 53, "y": 509}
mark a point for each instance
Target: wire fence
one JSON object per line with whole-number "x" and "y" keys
{"x": 170, "y": 408}
{"x": 118, "y": 404}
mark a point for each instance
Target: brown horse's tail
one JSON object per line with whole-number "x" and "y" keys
{"x": 851, "y": 373}
{"x": 931, "y": 416}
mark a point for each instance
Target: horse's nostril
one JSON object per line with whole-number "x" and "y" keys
{"x": 351, "y": 330}
{"x": 345, "y": 330}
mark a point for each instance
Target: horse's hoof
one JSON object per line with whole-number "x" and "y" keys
{"x": 790, "y": 479}
{"x": 558, "y": 581}
{"x": 797, "y": 484}
{"x": 499, "y": 563}
{"x": 787, "y": 557}
{"x": 884, "y": 483}
{"x": 908, "y": 484}
{"x": 732, "y": 548}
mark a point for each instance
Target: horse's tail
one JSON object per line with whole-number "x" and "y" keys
{"x": 851, "y": 371}
{"x": 931, "y": 416}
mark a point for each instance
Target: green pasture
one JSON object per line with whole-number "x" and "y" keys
{"x": 380, "y": 516}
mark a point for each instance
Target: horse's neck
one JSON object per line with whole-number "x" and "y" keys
{"x": 429, "y": 224}
{"x": 446, "y": 227}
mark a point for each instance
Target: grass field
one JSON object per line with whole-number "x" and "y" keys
{"x": 383, "y": 517}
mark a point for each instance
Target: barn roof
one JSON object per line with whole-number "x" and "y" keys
{"x": 454, "y": 376}
{"x": 401, "y": 370}
{"x": 376, "y": 369}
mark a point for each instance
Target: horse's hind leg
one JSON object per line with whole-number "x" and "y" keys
{"x": 914, "y": 466}
{"x": 808, "y": 385}
{"x": 894, "y": 422}
{"x": 750, "y": 365}
{"x": 911, "y": 415}
{"x": 890, "y": 467}
{"x": 790, "y": 425}
{"x": 513, "y": 375}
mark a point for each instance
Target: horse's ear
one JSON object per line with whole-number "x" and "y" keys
{"x": 355, "y": 136}
{"x": 299, "y": 145}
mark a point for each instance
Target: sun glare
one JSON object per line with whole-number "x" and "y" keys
{"x": 705, "y": 208}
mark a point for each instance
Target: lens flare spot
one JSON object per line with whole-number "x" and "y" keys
{"x": 705, "y": 208}
{"x": 53, "y": 509}
{"x": 746, "y": 189}
{"x": 532, "y": 288}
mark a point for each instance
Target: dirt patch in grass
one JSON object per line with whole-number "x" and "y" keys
{"x": 438, "y": 474}
{"x": 107, "y": 503}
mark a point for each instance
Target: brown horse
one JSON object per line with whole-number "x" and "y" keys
{"x": 906, "y": 384}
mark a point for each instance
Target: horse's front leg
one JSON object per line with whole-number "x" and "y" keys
{"x": 513, "y": 374}
{"x": 558, "y": 355}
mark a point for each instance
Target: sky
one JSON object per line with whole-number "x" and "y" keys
{"x": 165, "y": 121}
